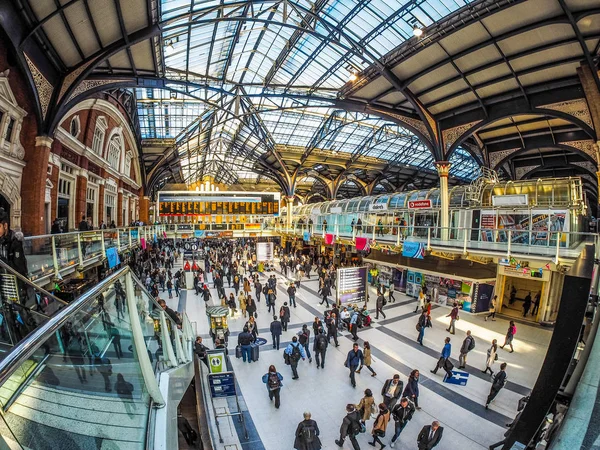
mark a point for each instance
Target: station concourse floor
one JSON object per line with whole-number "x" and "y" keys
{"x": 325, "y": 393}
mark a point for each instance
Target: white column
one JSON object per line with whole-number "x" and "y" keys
{"x": 443, "y": 167}
{"x": 289, "y": 206}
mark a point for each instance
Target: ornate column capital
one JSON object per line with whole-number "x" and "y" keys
{"x": 43, "y": 141}
{"x": 443, "y": 168}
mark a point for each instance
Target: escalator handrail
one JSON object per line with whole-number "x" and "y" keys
{"x": 30, "y": 283}
{"x": 34, "y": 340}
{"x": 137, "y": 281}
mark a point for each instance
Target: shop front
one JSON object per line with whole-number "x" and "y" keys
{"x": 525, "y": 292}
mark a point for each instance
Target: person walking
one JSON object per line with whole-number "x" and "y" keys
{"x": 444, "y": 361}
{"x": 284, "y": 314}
{"x": 354, "y": 359}
{"x": 526, "y": 304}
{"x": 316, "y": 325}
{"x": 257, "y": 289}
{"x": 453, "y": 318}
{"x": 350, "y": 428}
{"x": 424, "y": 322}
{"x": 245, "y": 338}
{"x": 379, "y": 304}
{"x": 411, "y": 391}
{"x": 273, "y": 381}
{"x": 307, "y": 434}
{"x": 420, "y": 302}
{"x": 304, "y": 339}
{"x": 250, "y": 306}
{"x": 231, "y": 304}
{"x": 320, "y": 344}
{"x": 467, "y": 345}
{"x": 291, "y": 290}
{"x": 325, "y": 292}
{"x": 492, "y": 356}
{"x": 354, "y": 325}
{"x": 381, "y": 423}
{"x": 391, "y": 390}
{"x": 276, "y": 331}
{"x": 391, "y": 297}
{"x": 430, "y": 436}
{"x": 366, "y": 406}
{"x": 367, "y": 359}
{"x": 510, "y": 334}
{"x": 498, "y": 383}
{"x": 492, "y": 309}
{"x": 332, "y": 326}
{"x": 242, "y": 302}
{"x": 536, "y": 303}
{"x": 294, "y": 352}
{"x": 401, "y": 413}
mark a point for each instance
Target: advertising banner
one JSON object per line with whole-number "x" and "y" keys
{"x": 113, "y": 257}
{"x": 306, "y": 236}
{"x": 198, "y": 233}
{"x": 413, "y": 250}
{"x": 362, "y": 244}
{"x": 264, "y": 251}
{"x": 352, "y": 285}
{"x": 329, "y": 239}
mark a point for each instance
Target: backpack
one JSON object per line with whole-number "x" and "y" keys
{"x": 309, "y": 433}
{"x": 303, "y": 338}
{"x": 296, "y": 354}
{"x": 273, "y": 381}
{"x": 321, "y": 342}
{"x": 471, "y": 344}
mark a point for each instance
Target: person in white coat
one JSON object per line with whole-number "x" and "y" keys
{"x": 492, "y": 356}
{"x": 420, "y": 302}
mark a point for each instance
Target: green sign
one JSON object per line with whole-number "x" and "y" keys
{"x": 216, "y": 362}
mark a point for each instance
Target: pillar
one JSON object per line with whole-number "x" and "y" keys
{"x": 80, "y": 196}
{"x": 443, "y": 168}
{"x": 101, "y": 202}
{"x": 33, "y": 189}
{"x": 144, "y": 209}
{"x": 120, "y": 217}
{"x": 289, "y": 206}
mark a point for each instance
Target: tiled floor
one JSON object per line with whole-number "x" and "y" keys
{"x": 467, "y": 425}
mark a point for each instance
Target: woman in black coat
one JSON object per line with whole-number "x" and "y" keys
{"x": 307, "y": 434}
{"x": 250, "y": 305}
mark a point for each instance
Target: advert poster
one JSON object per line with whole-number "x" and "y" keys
{"x": 264, "y": 251}
{"x": 352, "y": 285}
{"x": 484, "y": 297}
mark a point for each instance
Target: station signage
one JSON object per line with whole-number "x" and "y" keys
{"x": 419, "y": 204}
{"x": 379, "y": 207}
{"x": 352, "y": 285}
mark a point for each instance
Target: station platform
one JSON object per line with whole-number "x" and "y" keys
{"x": 460, "y": 409}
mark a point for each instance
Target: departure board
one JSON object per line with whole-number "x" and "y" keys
{"x": 352, "y": 285}
{"x": 218, "y": 203}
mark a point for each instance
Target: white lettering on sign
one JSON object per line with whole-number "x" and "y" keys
{"x": 419, "y": 204}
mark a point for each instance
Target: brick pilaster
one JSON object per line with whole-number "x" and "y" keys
{"x": 33, "y": 187}
{"x": 80, "y": 198}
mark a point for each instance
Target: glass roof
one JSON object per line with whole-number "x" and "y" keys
{"x": 259, "y": 75}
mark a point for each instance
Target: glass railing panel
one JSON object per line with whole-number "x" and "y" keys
{"x": 86, "y": 387}
{"x": 38, "y": 251}
{"x": 67, "y": 250}
{"x": 91, "y": 245}
{"x": 123, "y": 239}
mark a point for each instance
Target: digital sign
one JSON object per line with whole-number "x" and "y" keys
{"x": 217, "y": 203}
{"x": 352, "y": 285}
{"x": 264, "y": 251}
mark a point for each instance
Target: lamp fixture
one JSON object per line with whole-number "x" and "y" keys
{"x": 418, "y": 32}
{"x": 353, "y": 76}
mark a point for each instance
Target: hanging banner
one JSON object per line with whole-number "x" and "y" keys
{"x": 306, "y": 236}
{"x": 362, "y": 244}
{"x": 143, "y": 241}
{"x": 413, "y": 250}
{"x": 113, "y": 257}
{"x": 198, "y": 233}
{"x": 329, "y": 239}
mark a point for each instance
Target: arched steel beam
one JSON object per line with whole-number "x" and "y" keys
{"x": 558, "y": 146}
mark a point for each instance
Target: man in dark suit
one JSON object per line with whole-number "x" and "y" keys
{"x": 391, "y": 391}
{"x": 430, "y": 436}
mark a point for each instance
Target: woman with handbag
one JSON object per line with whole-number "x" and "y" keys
{"x": 367, "y": 359}
{"x": 381, "y": 423}
{"x": 492, "y": 356}
{"x": 366, "y": 406}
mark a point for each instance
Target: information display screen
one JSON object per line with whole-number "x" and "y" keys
{"x": 352, "y": 285}
{"x": 221, "y": 203}
{"x": 264, "y": 251}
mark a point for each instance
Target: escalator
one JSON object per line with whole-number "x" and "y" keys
{"x": 85, "y": 377}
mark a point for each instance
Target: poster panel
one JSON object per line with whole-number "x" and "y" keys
{"x": 264, "y": 251}
{"x": 352, "y": 285}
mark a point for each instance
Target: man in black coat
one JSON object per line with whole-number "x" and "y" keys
{"x": 392, "y": 390}
{"x": 401, "y": 413}
{"x": 320, "y": 344}
{"x": 430, "y": 436}
{"x": 350, "y": 427}
{"x": 201, "y": 350}
{"x": 276, "y": 331}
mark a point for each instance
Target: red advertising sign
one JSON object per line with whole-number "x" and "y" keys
{"x": 419, "y": 204}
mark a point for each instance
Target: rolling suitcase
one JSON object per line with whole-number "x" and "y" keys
{"x": 254, "y": 351}
{"x": 238, "y": 351}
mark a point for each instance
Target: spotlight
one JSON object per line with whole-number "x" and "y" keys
{"x": 353, "y": 77}
{"x": 417, "y": 31}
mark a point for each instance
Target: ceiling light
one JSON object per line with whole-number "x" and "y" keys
{"x": 353, "y": 76}
{"x": 417, "y": 31}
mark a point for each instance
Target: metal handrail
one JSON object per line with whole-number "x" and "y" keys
{"x": 24, "y": 349}
{"x": 30, "y": 283}
{"x": 75, "y": 233}
{"x": 137, "y": 281}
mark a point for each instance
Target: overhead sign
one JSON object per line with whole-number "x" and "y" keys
{"x": 419, "y": 204}
{"x": 378, "y": 207}
{"x": 264, "y": 251}
{"x": 198, "y": 233}
{"x": 352, "y": 285}
{"x": 216, "y": 361}
{"x": 222, "y": 384}
{"x": 413, "y": 249}
{"x": 336, "y": 210}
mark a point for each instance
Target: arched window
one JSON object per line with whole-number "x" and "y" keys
{"x": 127, "y": 163}
{"x": 99, "y": 132}
{"x": 113, "y": 155}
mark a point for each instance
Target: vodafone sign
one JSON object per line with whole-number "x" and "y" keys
{"x": 419, "y": 204}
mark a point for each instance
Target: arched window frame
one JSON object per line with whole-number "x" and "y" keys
{"x": 99, "y": 135}
{"x": 113, "y": 152}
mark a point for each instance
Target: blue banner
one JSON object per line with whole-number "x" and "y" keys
{"x": 306, "y": 236}
{"x": 134, "y": 234}
{"x": 198, "y": 233}
{"x": 113, "y": 257}
{"x": 413, "y": 250}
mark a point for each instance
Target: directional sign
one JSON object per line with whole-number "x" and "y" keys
{"x": 419, "y": 204}
{"x": 458, "y": 378}
{"x": 222, "y": 384}
{"x": 216, "y": 360}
